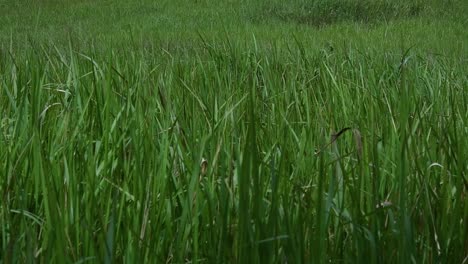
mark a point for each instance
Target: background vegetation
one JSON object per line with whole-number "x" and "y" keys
{"x": 233, "y": 131}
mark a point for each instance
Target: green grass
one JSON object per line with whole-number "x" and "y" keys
{"x": 342, "y": 141}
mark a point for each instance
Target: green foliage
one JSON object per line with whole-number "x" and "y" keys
{"x": 102, "y": 156}
{"x": 321, "y": 13}
{"x": 338, "y": 144}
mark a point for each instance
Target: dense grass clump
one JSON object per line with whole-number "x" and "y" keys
{"x": 323, "y": 13}
{"x": 334, "y": 155}
{"x": 224, "y": 131}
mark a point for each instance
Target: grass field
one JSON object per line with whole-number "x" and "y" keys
{"x": 234, "y": 131}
